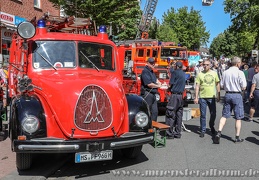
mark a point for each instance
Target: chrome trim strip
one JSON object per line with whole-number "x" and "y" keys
{"x": 132, "y": 134}
{"x": 131, "y": 142}
{"x": 48, "y": 140}
{"x": 48, "y": 147}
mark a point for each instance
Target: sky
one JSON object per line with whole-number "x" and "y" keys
{"x": 216, "y": 21}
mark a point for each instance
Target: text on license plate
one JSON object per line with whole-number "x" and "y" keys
{"x": 93, "y": 156}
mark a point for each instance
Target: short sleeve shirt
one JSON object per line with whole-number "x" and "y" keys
{"x": 256, "y": 81}
{"x": 233, "y": 80}
{"x": 207, "y": 82}
{"x": 147, "y": 77}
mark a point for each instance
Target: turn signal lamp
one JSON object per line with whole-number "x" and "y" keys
{"x": 22, "y": 138}
{"x": 26, "y": 30}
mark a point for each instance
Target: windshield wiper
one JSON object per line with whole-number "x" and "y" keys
{"x": 46, "y": 61}
{"x": 90, "y": 61}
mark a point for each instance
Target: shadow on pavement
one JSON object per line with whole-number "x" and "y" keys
{"x": 252, "y": 140}
{"x": 255, "y": 132}
{"x": 97, "y": 168}
{"x": 3, "y": 135}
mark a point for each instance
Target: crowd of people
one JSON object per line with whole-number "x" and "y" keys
{"x": 239, "y": 80}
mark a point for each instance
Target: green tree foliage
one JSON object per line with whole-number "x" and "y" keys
{"x": 153, "y": 28}
{"x": 122, "y": 14}
{"x": 188, "y": 26}
{"x": 245, "y": 16}
{"x": 165, "y": 33}
{"x": 232, "y": 43}
{"x": 225, "y": 43}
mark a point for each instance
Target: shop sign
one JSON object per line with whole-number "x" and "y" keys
{"x": 7, "y": 34}
{"x": 18, "y": 20}
{"x": 7, "y": 18}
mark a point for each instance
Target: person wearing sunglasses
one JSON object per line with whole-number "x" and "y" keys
{"x": 234, "y": 82}
{"x": 149, "y": 86}
{"x": 206, "y": 85}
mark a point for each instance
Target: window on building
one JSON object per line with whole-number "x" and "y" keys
{"x": 37, "y": 3}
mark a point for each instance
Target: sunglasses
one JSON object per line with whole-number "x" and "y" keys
{"x": 206, "y": 64}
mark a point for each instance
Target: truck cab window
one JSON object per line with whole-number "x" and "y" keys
{"x": 93, "y": 55}
{"x": 57, "y": 54}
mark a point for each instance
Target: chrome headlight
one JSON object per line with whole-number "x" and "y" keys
{"x": 188, "y": 95}
{"x": 26, "y": 30}
{"x": 141, "y": 119}
{"x": 157, "y": 97}
{"x": 30, "y": 124}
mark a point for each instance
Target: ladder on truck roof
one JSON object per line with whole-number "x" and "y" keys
{"x": 146, "y": 19}
{"x": 69, "y": 24}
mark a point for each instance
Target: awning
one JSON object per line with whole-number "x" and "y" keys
{"x": 8, "y": 26}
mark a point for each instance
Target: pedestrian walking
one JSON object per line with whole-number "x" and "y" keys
{"x": 217, "y": 69}
{"x": 254, "y": 94}
{"x": 198, "y": 68}
{"x": 234, "y": 82}
{"x": 207, "y": 91}
{"x": 174, "y": 108}
{"x": 251, "y": 73}
{"x": 149, "y": 86}
{"x": 245, "y": 70}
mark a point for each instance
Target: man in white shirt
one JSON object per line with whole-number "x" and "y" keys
{"x": 234, "y": 82}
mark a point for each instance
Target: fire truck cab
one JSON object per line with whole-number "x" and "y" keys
{"x": 66, "y": 96}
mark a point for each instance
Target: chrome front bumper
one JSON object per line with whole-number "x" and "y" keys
{"x": 53, "y": 145}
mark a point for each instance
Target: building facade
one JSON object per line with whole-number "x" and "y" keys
{"x": 12, "y": 12}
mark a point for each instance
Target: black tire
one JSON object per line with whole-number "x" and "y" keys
{"x": 132, "y": 152}
{"x": 23, "y": 161}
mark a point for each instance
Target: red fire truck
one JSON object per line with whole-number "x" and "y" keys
{"x": 66, "y": 95}
{"x": 136, "y": 53}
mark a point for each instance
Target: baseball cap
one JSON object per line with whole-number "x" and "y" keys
{"x": 150, "y": 60}
{"x": 179, "y": 64}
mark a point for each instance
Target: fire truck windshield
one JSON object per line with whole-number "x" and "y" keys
{"x": 176, "y": 53}
{"x": 54, "y": 54}
{"x": 62, "y": 54}
{"x": 98, "y": 56}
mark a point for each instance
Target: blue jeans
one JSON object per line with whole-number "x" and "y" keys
{"x": 204, "y": 103}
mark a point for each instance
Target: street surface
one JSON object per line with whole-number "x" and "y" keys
{"x": 190, "y": 157}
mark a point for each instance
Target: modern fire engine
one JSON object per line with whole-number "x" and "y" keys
{"x": 66, "y": 94}
{"x": 136, "y": 53}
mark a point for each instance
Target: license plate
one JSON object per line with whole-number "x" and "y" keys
{"x": 93, "y": 156}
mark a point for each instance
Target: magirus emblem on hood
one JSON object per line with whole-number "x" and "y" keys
{"x": 93, "y": 110}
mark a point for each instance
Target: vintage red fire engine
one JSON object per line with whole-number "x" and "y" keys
{"x": 67, "y": 96}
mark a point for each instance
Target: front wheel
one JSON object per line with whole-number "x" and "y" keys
{"x": 132, "y": 152}
{"x": 23, "y": 161}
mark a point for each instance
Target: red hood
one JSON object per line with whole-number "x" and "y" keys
{"x": 91, "y": 104}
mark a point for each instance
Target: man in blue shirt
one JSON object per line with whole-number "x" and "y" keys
{"x": 149, "y": 86}
{"x": 174, "y": 108}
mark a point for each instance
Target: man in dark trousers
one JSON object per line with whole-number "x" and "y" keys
{"x": 174, "y": 108}
{"x": 149, "y": 86}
